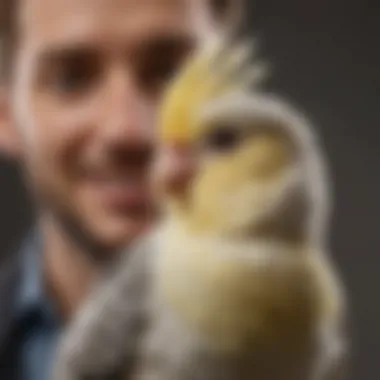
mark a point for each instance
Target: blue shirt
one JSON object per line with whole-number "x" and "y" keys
{"x": 35, "y": 317}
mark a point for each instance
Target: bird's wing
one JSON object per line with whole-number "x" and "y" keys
{"x": 104, "y": 336}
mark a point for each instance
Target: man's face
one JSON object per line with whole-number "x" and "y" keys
{"x": 88, "y": 78}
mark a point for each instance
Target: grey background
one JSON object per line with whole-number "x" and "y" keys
{"x": 327, "y": 60}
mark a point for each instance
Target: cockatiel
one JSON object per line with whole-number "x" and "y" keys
{"x": 236, "y": 280}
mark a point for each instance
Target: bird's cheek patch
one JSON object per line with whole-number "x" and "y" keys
{"x": 267, "y": 155}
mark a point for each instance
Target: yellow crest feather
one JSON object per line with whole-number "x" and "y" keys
{"x": 213, "y": 70}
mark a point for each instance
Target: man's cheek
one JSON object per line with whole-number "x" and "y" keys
{"x": 23, "y": 96}
{"x": 31, "y": 123}
{"x": 50, "y": 131}
{"x": 147, "y": 117}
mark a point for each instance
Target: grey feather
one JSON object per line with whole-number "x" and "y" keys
{"x": 105, "y": 334}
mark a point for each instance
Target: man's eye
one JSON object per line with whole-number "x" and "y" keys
{"x": 159, "y": 60}
{"x": 222, "y": 139}
{"x": 72, "y": 79}
{"x": 157, "y": 74}
{"x": 71, "y": 75}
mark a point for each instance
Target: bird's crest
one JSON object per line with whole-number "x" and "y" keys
{"x": 215, "y": 69}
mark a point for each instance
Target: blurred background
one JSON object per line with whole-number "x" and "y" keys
{"x": 326, "y": 57}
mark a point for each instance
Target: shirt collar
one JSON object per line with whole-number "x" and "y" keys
{"x": 31, "y": 293}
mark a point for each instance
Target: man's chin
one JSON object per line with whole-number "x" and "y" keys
{"x": 101, "y": 236}
{"x": 115, "y": 236}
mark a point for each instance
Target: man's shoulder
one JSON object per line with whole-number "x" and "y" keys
{"x": 11, "y": 273}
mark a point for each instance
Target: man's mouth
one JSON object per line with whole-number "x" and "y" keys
{"x": 121, "y": 192}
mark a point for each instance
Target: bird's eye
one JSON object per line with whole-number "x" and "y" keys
{"x": 222, "y": 139}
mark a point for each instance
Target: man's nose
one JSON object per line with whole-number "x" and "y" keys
{"x": 175, "y": 170}
{"x": 127, "y": 115}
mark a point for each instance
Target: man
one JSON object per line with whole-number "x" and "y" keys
{"x": 80, "y": 83}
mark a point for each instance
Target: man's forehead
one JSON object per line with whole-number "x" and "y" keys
{"x": 62, "y": 20}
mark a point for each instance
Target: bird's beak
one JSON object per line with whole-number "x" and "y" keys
{"x": 174, "y": 169}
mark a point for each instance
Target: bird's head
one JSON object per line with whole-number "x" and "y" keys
{"x": 237, "y": 162}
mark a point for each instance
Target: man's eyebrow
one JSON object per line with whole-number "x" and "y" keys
{"x": 166, "y": 44}
{"x": 158, "y": 45}
{"x": 57, "y": 53}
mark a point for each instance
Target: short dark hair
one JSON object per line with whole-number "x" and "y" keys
{"x": 8, "y": 29}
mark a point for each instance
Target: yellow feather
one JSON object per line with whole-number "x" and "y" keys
{"x": 224, "y": 292}
{"x": 212, "y": 71}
